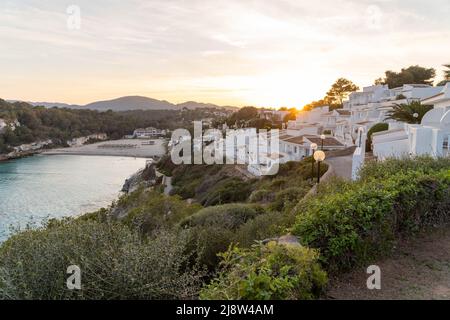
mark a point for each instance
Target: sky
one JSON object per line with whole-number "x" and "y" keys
{"x": 228, "y": 52}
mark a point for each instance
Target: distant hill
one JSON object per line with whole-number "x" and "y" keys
{"x": 131, "y": 103}
{"x": 196, "y": 105}
{"x": 50, "y": 104}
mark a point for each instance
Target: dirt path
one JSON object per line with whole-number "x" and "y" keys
{"x": 418, "y": 269}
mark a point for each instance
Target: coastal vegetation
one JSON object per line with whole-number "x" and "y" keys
{"x": 29, "y": 124}
{"x": 149, "y": 245}
{"x": 413, "y": 74}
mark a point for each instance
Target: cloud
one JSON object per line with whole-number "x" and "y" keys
{"x": 170, "y": 46}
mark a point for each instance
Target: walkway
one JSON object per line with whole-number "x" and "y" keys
{"x": 418, "y": 269}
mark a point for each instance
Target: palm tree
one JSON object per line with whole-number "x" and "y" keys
{"x": 446, "y": 76}
{"x": 447, "y": 72}
{"x": 409, "y": 112}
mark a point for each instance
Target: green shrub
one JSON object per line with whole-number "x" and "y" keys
{"x": 228, "y": 216}
{"x": 390, "y": 167}
{"x": 271, "y": 272}
{"x": 213, "y": 229}
{"x": 115, "y": 264}
{"x": 227, "y": 191}
{"x": 265, "y": 226}
{"x": 288, "y": 198}
{"x": 361, "y": 220}
{"x": 155, "y": 211}
{"x": 262, "y": 196}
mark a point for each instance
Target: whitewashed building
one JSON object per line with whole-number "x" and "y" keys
{"x": 431, "y": 137}
{"x": 77, "y": 142}
{"x": 147, "y": 133}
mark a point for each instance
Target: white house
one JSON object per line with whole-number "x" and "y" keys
{"x": 270, "y": 114}
{"x": 150, "y": 132}
{"x": 431, "y": 137}
{"x": 295, "y": 148}
{"x": 33, "y": 146}
{"x": 76, "y": 142}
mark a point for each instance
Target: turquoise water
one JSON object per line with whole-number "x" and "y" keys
{"x": 37, "y": 188}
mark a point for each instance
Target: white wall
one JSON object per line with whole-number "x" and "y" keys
{"x": 391, "y": 149}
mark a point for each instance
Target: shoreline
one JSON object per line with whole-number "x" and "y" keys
{"x": 130, "y": 148}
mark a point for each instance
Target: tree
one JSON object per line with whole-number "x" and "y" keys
{"x": 446, "y": 75}
{"x": 339, "y": 91}
{"x": 411, "y": 75}
{"x": 409, "y": 113}
{"x": 314, "y": 104}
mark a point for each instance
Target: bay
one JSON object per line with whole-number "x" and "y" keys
{"x": 54, "y": 186}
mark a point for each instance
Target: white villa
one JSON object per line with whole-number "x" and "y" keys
{"x": 32, "y": 146}
{"x": 78, "y": 142}
{"x": 147, "y": 133}
{"x": 431, "y": 137}
{"x": 362, "y": 110}
{"x": 272, "y": 114}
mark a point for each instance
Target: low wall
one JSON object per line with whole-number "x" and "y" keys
{"x": 326, "y": 176}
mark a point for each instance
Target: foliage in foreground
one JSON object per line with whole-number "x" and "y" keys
{"x": 116, "y": 263}
{"x": 354, "y": 222}
{"x": 268, "y": 272}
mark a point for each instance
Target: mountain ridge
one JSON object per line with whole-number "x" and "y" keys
{"x": 127, "y": 103}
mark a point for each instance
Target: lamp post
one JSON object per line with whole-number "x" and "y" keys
{"x": 313, "y": 149}
{"x": 322, "y": 137}
{"x": 416, "y": 116}
{"x": 319, "y": 156}
{"x": 360, "y": 131}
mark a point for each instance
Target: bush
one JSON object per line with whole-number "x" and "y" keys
{"x": 228, "y": 216}
{"x": 213, "y": 229}
{"x": 361, "y": 220}
{"x": 155, "y": 211}
{"x": 115, "y": 264}
{"x": 390, "y": 167}
{"x": 272, "y": 272}
{"x": 264, "y": 226}
{"x": 262, "y": 196}
{"x": 288, "y": 198}
{"x": 227, "y": 191}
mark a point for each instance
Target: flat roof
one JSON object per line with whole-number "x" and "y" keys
{"x": 328, "y": 141}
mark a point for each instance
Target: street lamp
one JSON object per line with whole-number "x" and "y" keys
{"x": 313, "y": 147}
{"x": 322, "y": 137}
{"x": 360, "y": 131}
{"x": 319, "y": 156}
{"x": 416, "y": 115}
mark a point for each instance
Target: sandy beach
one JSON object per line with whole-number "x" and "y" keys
{"x": 124, "y": 148}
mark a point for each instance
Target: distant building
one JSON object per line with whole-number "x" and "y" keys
{"x": 82, "y": 140}
{"x": 33, "y": 146}
{"x": 147, "y": 133}
{"x": 295, "y": 148}
{"x": 270, "y": 114}
{"x": 3, "y": 125}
